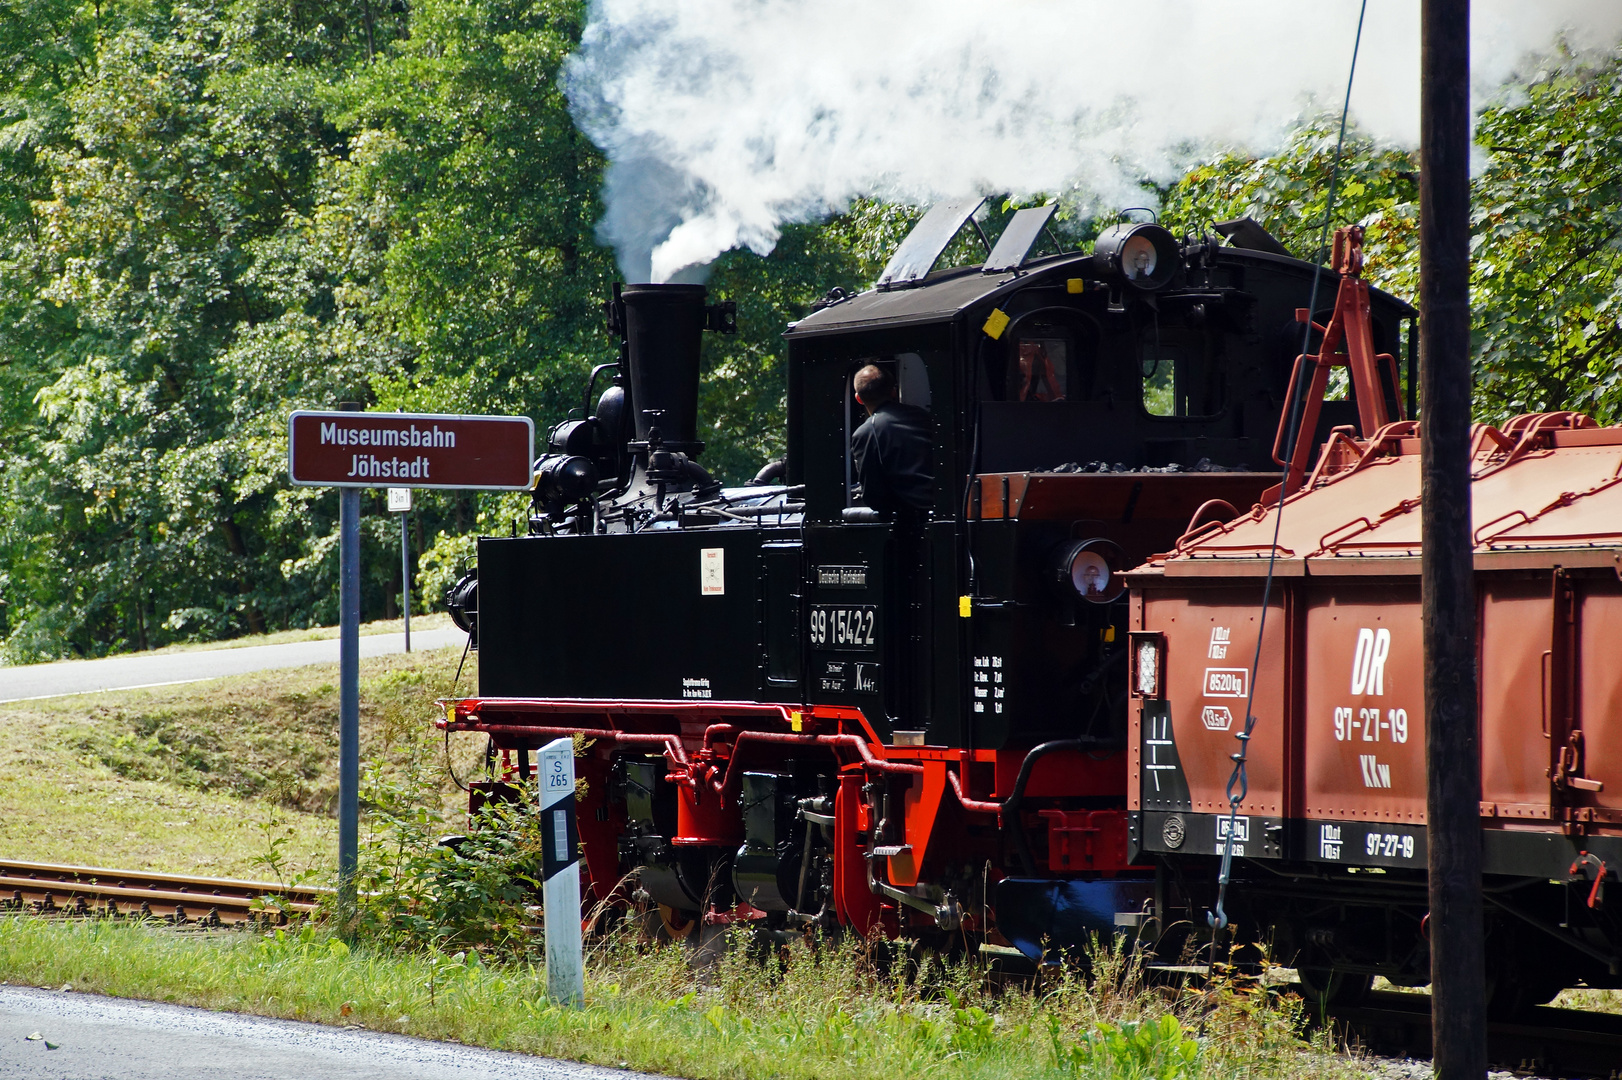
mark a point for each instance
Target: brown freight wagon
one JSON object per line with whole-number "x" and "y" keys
{"x": 1329, "y": 840}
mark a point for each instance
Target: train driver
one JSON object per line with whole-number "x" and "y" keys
{"x": 891, "y": 449}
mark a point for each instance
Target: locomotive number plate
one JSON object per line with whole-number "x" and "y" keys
{"x": 844, "y": 627}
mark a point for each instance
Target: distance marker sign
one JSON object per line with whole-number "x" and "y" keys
{"x": 410, "y": 450}
{"x": 560, "y": 886}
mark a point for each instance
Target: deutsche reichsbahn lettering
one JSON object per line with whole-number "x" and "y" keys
{"x": 842, "y": 577}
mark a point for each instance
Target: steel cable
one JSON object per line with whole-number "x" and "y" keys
{"x": 1239, "y": 783}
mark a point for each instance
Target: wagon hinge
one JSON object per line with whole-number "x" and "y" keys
{"x": 1568, "y": 767}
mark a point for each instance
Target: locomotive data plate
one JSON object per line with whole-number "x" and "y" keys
{"x": 848, "y": 676}
{"x": 844, "y": 627}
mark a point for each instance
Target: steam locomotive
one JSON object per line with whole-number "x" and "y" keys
{"x": 1013, "y": 722}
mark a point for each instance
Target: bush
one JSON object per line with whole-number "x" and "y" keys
{"x": 423, "y": 890}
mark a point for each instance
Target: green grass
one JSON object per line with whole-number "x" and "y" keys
{"x": 800, "y": 1014}
{"x": 207, "y": 777}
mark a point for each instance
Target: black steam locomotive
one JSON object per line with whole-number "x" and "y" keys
{"x": 802, "y": 712}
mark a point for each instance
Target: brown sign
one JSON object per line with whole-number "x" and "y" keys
{"x": 413, "y": 450}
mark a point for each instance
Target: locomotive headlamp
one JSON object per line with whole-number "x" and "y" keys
{"x": 1142, "y": 254}
{"x": 565, "y": 478}
{"x": 1145, "y": 657}
{"x": 1088, "y": 570}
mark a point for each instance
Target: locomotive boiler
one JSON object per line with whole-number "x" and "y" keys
{"x": 799, "y": 712}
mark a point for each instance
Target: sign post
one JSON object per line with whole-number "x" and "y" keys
{"x": 350, "y": 450}
{"x": 565, "y": 967}
{"x": 400, "y": 503}
{"x": 348, "y": 695}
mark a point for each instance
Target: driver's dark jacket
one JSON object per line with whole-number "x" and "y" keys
{"x": 893, "y": 457}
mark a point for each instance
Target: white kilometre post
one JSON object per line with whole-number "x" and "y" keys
{"x": 565, "y": 966}
{"x": 400, "y": 503}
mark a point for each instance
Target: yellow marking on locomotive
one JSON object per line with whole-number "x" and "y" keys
{"x": 996, "y": 323}
{"x": 965, "y": 606}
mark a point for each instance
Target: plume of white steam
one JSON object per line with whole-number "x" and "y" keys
{"x": 724, "y": 119}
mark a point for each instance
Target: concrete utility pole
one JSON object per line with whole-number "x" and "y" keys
{"x": 1453, "y": 756}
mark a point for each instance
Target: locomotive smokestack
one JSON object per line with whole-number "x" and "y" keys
{"x": 663, "y": 327}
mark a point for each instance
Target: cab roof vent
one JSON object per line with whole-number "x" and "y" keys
{"x": 1017, "y": 239}
{"x": 916, "y": 256}
{"x": 1247, "y": 232}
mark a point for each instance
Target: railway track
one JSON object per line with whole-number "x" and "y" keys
{"x": 180, "y": 900}
{"x": 1545, "y": 1042}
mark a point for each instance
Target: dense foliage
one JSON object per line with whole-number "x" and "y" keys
{"x": 1547, "y": 219}
{"x": 217, "y": 211}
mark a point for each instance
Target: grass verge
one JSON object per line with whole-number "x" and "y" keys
{"x": 234, "y": 777}
{"x": 796, "y": 1013}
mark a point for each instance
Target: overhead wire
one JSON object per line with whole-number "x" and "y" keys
{"x": 1239, "y": 782}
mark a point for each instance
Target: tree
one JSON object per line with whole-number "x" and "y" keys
{"x": 1547, "y": 222}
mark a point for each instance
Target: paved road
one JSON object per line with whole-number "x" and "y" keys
{"x": 166, "y": 669}
{"x": 100, "y": 1037}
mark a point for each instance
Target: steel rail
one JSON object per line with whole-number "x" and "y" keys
{"x": 1552, "y": 1041}
{"x": 179, "y": 899}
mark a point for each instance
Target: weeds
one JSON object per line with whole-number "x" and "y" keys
{"x": 1156, "y": 1049}
{"x": 425, "y": 890}
{"x": 278, "y": 834}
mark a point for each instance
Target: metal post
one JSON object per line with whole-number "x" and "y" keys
{"x": 348, "y": 692}
{"x": 405, "y": 577}
{"x": 1453, "y": 803}
{"x": 565, "y": 964}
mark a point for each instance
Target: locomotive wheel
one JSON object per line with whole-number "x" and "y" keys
{"x": 1327, "y": 986}
{"x": 678, "y": 925}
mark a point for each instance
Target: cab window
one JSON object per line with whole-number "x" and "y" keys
{"x": 1180, "y": 377}
{"x": 1041, "y": 369}
{"x": 1047, "y": 357}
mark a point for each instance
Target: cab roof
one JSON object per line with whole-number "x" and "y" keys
{"x": 937, "y": 298}
{"x": 945, "y": 294}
